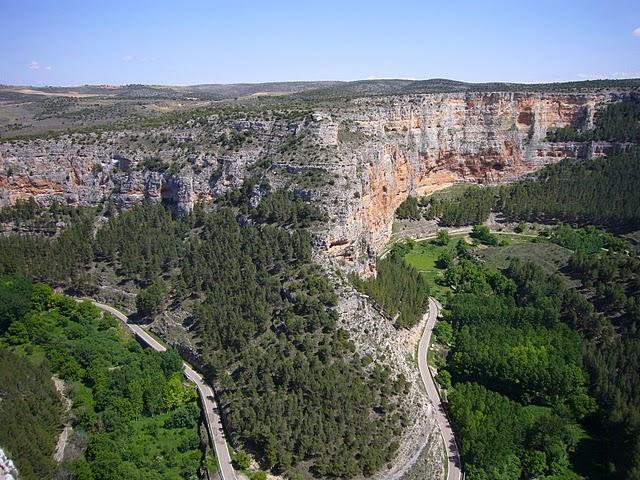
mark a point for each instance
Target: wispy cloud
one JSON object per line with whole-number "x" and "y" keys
{"x": 636, "y": 32}
{"x": 143, "y": 59}
{"x": 36, "y": 65}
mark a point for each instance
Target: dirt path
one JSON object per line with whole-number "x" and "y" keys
{"x": 63, "y": 438}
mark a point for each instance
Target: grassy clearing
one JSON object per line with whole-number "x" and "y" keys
{"x": 549, "y": 256}
{"x": 424, "y": 255}
{"x": 424, "y": 258}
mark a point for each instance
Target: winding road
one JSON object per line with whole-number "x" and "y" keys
{"x": 214, "y": 424}
{"x": 451, "y": 447}
{"x": 207, "y": 396}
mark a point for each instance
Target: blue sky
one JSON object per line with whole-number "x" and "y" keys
{"x": 188, "y": 42}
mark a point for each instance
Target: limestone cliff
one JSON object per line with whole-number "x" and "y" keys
{"x": 370, "y": 153}
{"x": 419, "y": 144}
{"x": 357, "y": 159}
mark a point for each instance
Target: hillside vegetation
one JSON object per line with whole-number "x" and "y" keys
{"x": 132, "y": 414}
{"x": 30, "y": 415}
{"x": 550, "y": 365}
{"x": 525, "y": 344}
{"x": 263, "y": 316}
{"x": 600, "y": 191}
{"x": 397, "y": 287}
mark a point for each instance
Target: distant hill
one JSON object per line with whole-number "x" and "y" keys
{"x": 306, "y": 90}
{"x": 246, "y": 89}
{"x": 441, "y": 85}
{"x": 204, "y": 92}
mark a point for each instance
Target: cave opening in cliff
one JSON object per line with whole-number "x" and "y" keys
{"x": 168, "y": 195}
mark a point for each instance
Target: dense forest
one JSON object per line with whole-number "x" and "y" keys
{"x": 263, "y": 315}
{"x": 30, "y": 414}
{"x": 600, "y": 191}
{"x": 31, "y": 214}
{"x": 608, "y": 325}
{"x": 473, "y": 206}
{"x": 587, "y": 240}
{"x": 398, "y": 288}
{"x": 618, "y": 122}
{"x": 409, "y": 209}
{"x": 516, "y": 365}
{"x": 539, "y": 359}
{"x": 611, "y": 280}
{"x": 269, "y": 334}
{"x": 132, "y": 414}
{"x": 470, "y": 206}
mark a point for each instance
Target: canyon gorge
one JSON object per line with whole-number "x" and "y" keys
{"x": 357, "y": 159}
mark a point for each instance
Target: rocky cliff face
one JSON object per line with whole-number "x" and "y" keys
{"x": 419, "y": 144}
{"x": 359, "y": 160}
{"x": 8, "y": 470}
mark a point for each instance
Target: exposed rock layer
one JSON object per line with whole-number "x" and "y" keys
{"x": 358, "y": 161}
{"x": 373, "y": 153}
{"x": 420, "y": 144}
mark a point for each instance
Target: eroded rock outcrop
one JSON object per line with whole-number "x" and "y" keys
{"x": 371, "y": 152}
{"x": 419, "y": 144}
{"x": 8, "y": 470}
{"x": 357, "y": 160}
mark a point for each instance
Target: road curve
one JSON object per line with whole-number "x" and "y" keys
{"x": 451, "y": 447}
{"x": 214, "y": 425}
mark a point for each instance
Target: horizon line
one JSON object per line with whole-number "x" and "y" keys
{"x": 115, "y": 85}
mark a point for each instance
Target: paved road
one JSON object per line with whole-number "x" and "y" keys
{"x": 451, "y": 447}
{"x": 214, "y": 425}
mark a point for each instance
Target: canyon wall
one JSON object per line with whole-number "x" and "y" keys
{"x": 356, "y": 159}
{"x": 419, "y": 144}
{"x": 371, "y": 153}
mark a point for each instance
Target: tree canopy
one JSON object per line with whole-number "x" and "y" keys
{"x": 263, "y": 316}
